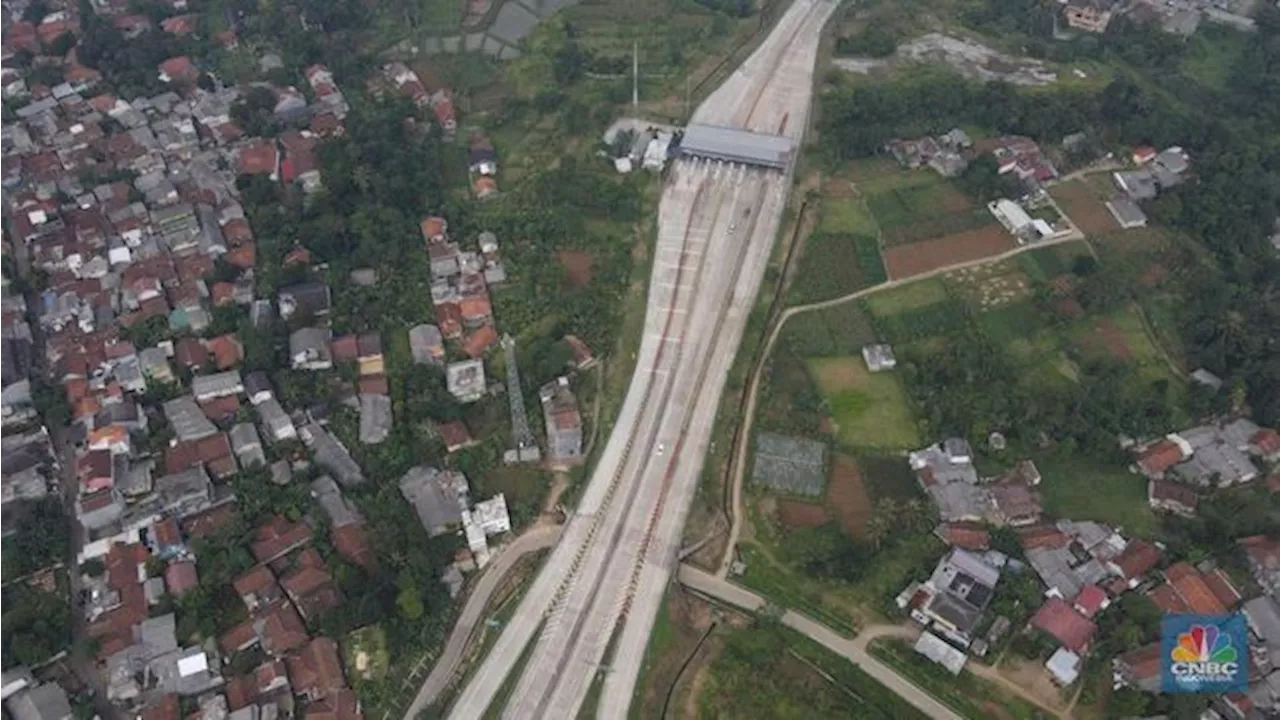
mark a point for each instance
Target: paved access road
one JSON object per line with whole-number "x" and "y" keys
{"x": 854, "y": 650}
{"x": 716, "y": 228}
{"x": 538, "y": 538}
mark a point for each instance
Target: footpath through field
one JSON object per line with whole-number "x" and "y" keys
{"x": 748, "y": 417}
{"x": 854, "y": 650}
{"x": 538, "y": 538}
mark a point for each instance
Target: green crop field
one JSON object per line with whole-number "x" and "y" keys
{"x": 834, "y": 265}
{"x": 937, "y": 320}
{"x": 869, "y": 409}
{"x": 1008, "y": 323}
{"x": 912, "y": 296}
{"x": 847, "y": 215}
{"x": 839, "y": 330}
{"x": 768, "y": 671}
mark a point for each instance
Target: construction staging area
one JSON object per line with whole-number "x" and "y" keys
{"x": 604, "y": 582}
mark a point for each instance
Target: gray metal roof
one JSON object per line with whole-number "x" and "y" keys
{"x": 735, "y": 145}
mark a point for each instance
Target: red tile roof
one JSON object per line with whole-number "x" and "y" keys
{"x": 1266, "y": 441}
{"x": 299, "y": 255}
{"x": 241, "y": 691}
{"x": 1167, "y": 599}
{"x": 475, "y": 308}
{"x": 277, "y": 537}
{"x": 1138, "y": 557}
{"x": 373, "y": 385}
{"x": 258, "y": 583}
{"x": 479, "y": 341}
{"x": 165, "y": 533}
{"x": 242, "y": 256}
{"x": 1191, "y": 587}
{"x": 1222, "y": 588}
{"x": 455, "y": 435}
{"x": 179, "y": 25}
{"x": 1159, "y": 457}
{"x": 190, "y": 353}
{"x": 1070, "y": 628}
{"x": 180, "y": 577}
{"x": 433, "y": 227}
{"x": 222, "y": 293}
{"x": 341, "y": 705}
{"x": 238, "y": 638}
{"x": 123, "y": 562}
{"x": 257, "y": 158}
{"x": 1042, "y": 536}
{"x": 270, "y": 675}
{"x": 227, "y": 351}
{"x": 312, "y": 591}
{"x": 164, "y": 708}
{"x": 1165, "y": 491}
{"x": 282, "y": 629}
{"x": 1090, "y": 600}
{"x": 970, "y": 536}
{"x": 352, "y": 542}
{"x": 180, "y": 69}
{"x": 222, "y": 408}
{"x": 315, "y": 671}
{"x": 1143, "y": 663}
{"x": 208, "y": 521}
{"x": 345, "y": 348}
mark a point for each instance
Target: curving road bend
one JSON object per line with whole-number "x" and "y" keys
{"x": 717, "y": 224}
{"x": 446, "y": 666}
{"x": 855, "y": 650}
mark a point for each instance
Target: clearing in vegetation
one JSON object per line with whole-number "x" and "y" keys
{"x": 797, "y": 515}
{"x": 916, "y": 258}
{"x": 869, "y": 409}
{"x": 365, "y": 652}
{"x": 1074, "y": 488}
{"x": 1085, "y": 207}
{"x": 577, "y": 266}
{"x": 847, "y": 496}
{"x": 1103, "y": 338}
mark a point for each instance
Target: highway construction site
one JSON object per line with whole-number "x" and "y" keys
{"x": 594, "y": 603}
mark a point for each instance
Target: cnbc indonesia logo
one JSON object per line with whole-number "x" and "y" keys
{"x": 1204, "y": 656}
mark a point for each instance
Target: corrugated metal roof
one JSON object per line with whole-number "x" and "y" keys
{"x": 733, "y": 144}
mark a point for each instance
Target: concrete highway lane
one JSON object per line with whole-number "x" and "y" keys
{"x": 716, "y": 228}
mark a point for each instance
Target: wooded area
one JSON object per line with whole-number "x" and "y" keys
{"x": 1230, "y": 315}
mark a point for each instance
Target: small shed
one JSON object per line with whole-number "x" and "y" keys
{"x": 879, "y": 357}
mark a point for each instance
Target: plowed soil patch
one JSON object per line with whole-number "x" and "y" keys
{"x": 921, "y": 257}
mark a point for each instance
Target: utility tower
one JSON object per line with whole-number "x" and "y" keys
{"x": 526, "y": 447}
